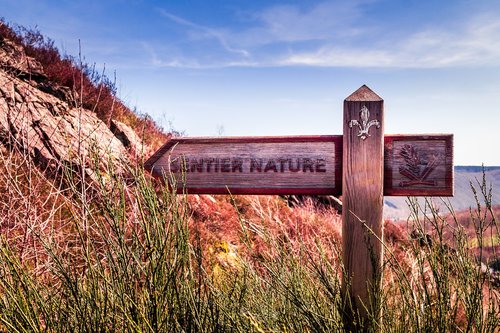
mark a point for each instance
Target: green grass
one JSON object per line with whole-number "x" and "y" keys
{"x": 125, "y": 255}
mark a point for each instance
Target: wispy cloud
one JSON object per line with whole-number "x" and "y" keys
{"x": 206, "y": 31}
{"x": 180, "y": 61}
{"x": 289, "y": 23}
{"x": 337, "y": 34}
{"x": 477, "y": 42}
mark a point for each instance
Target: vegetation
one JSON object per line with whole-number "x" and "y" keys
{"x": 91, "y": 89}
{"x": 127, "y": 255}
{"x": 122, "y": 253}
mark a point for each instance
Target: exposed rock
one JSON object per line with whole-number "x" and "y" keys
{"x": 14, "y": 60}
{"x": 51, "y": 131}
{"x": 63, "y": 93}
{"x": 39, "y": 119}
{"x": 127, "y": 136}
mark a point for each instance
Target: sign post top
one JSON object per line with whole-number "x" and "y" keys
{"x": 364, "y": 94}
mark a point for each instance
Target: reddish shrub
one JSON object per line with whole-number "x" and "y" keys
{"x": 93, "y": 90}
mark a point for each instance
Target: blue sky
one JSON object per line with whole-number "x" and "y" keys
{"x": 260, "y": 67}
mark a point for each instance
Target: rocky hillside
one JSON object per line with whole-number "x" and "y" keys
{"x": 53, "y": 124}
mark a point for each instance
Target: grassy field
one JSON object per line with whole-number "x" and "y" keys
{"x": 127, "y": 255}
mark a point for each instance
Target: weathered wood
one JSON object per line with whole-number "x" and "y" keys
{"x": 414, "y": 165}
{"x": 252, "y": 165}
{"x": 418, "y": 165}
{"x": 362, "y": 223}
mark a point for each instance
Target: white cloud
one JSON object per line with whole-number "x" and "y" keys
{"x": 206, "y": 33}
{"x": 274, "y": 25}
{"x": 477, "y": 42}
{"x": 287, "y": 23}
{"x": 338, "y": 34}
{"x": 178, "y": 61}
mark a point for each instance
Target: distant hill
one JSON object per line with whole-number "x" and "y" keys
{"x": 396, "y": 208}
{"x": 473, "y": 168}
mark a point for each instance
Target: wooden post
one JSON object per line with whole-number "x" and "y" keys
{"x": 362, "y": 221}
{"x": 414, "y": 165}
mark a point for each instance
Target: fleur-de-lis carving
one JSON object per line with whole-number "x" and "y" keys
{"x": 364, "y": 123}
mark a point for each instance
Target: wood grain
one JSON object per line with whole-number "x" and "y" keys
{"x": 362, "y": 223}
{"x": 252, "y": 165}
{"x": 419, "y": 165}
{"x": 438, "y": 182}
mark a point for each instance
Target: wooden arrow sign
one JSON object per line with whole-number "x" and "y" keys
{"x": 414, "y": 165}
{"x": 252, "y": 165}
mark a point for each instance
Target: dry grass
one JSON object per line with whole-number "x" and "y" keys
{"x": 122, "y": 253}
{"x": 129, "y": 255}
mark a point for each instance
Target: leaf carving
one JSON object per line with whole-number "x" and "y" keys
{"x": 412, "y": 159}
{"x": 416, "y": 167}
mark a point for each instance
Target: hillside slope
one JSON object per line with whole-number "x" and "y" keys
{"x": 396, "y": 208}
{"x": 55, "y": 125}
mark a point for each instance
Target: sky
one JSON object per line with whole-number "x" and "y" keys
{"x": 278, "y": 67}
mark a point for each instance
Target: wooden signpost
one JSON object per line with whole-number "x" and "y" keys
{"x": 362, "y": 165}
{"x": 255, "y": 165}
{"x": 362, "y": 205}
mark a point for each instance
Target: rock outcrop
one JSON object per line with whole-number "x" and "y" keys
{"x": 41, "y": 120}
{"x": 128, "y": 137}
